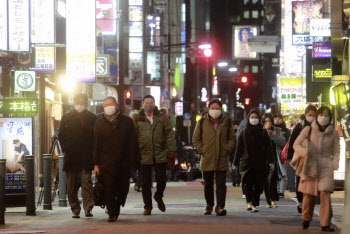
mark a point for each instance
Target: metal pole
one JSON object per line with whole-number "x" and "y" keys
{"x": 47, "y": 181}
{"x": 30, "y": 188}
{"x": 62, "y": 182}
{"x": 2, "y": 190}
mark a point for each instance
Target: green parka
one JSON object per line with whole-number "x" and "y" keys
{"x": 155, "y": 139}
{"x": 214, "y": 146}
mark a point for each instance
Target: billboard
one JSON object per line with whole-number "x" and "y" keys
{"x": 240, "y": 42}
{"x": 322, "y": 49}
{"x": 106, "y": 16}
{"x": 42, "y": 21}
{"x": 3, "y": 25}
{"x": 81, "y": 41}
{"x": 18, "y": 25}
{"x": 44, "y": 60}
{"x": 289, "y": 88}
{"x": 153, "y": 31}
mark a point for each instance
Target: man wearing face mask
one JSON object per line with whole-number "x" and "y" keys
{"x": 157, "y": 141}
{"x": 76, "y": 136}
{"x": 214, "y": 140}
{"x": 310, "y": 116}
{"x": 116, "y": 152}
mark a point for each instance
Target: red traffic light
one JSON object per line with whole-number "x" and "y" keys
{"x": 247, "y": 101}
{"x": 244, "y": 79}
{"x": 208, "y": 52}
{"x": 128, "y": 94}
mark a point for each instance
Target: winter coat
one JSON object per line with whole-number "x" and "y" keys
{"x": 294, "y": 135}
{"x": 285, "y": 130}
{"x": 77, "y": 141}
{"x": 279, "y": 142}
{"x": 214, "y": 146}
{"x": 155, "y": 139}
{"x": 327, "y": 146}
{"x": 248, "y": 158}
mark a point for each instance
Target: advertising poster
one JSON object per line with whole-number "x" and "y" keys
{"x": 106, "y": 16}
{"x": 153, "y": 31}
{"x": 135, "y": 29}
{"x": 240, "y": 42}
{"x": 81, "y": 41}
{"x": 153, "y": 64}
{"x": 135, "y": 13}
{"x": 110, "y": 47}
{"x": 3, "y": 24}
{"x": 44, "y": 60}
{"x": 322, "y": 49}
{"x": 42, "y": 21}
{"x": 18, "y": 23}
{"x": 320, "y": 27}
{"x": 321, "y": 73}
{"x": 16, "y": 141}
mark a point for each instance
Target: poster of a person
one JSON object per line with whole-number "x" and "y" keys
{"x": 18, "y": 159}
{"x": 241, "y": 46}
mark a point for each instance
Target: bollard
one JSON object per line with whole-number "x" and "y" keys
{"x": 62, "y": 182}
{"x": 2, "y": 190}
{"x": 47, "y": 181}
{"x": 30, "y": 188}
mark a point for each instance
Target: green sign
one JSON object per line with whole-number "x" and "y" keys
{"x": 18, "y": 106}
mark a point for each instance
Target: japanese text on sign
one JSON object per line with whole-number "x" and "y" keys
{"x": 290, "y": 87}
{"x": 18, "y": 106}
{"x": 18, "y": 14}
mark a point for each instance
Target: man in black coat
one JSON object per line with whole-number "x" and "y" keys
{"x": 76, "y": 136}
{"x": 116, "y": 152}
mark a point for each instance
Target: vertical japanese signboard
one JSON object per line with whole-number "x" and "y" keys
{"x": 42, "y": 21}
{"x": 16, "y": 141}
{"x": 110, "y": 47}
{"x": 80, "y": 41}
{"x": 18, "y": 23}
{"x": 44, "y": 60}
{"x": 106, "y": 16}
{"x": 3, "y": 24}
{"x": 153, "y": 31}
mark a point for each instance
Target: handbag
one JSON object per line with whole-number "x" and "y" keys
{"x": 298, "y": 162}
{"x": 284, "y": 153}
{"x": 99, "y": 199}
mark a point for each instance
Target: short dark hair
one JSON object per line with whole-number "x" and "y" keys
{"x": 322, "y": 109}
{"x": 267, "y": 116}
{"x": 278, "y": 116}
{"x": 111, "y": 97}
{"x": 215, "y": 101}
{"x": 81, "y": 96}
{"x": 310, "y": 108}
{"x": 148, "y": 96}
{"x": 15, "y": 141}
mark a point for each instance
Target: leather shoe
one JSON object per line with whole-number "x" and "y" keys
{"x": 147, "y": 211}
{"x": 305, "y": 224}
{"x": 161, "y": 205}
{"x": 327, "y": 229}
{"x": 76, "y": 215}
{"x": 208, "y": 210}
{"x": 88, "y": 213}
{"x": 111, "y": 219}
{"x": 220, "y": 211}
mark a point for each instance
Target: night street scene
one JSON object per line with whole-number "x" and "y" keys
{"x": 174, "y": 116}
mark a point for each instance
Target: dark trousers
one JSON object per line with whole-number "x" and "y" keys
{"x": 270, "y": 188}
{"x": 220, "y": 179}
{"x": 160, "y": 174}
{"x": 74, "y": 178}
{"x": 110, "y": 190}
{"x": 299, "y": 194}
{"x": 252, "y": 187}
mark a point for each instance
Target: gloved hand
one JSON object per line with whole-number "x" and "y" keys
{"x": 272, "y": 166}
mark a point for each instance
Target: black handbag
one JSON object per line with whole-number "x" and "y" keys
{"x": 98, "y": 193}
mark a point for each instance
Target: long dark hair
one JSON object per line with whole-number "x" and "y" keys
{"x": 267, "y": 116}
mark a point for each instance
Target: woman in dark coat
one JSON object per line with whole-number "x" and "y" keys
{"x": 253, "y": 154}
{"x": 116, "y": 152}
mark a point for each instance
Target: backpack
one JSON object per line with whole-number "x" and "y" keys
{"x": 99, "y": 198}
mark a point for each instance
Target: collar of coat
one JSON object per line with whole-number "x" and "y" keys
{"x": 329, "y": 130}
{"x": 141, "y": 115}
{"x": 206, "y": 115}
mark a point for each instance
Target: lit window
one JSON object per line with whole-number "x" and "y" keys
{"x": 255, "y": 14}
{"x": 255, "y": 69}
{"x": 246, "y": 15}
{"x": 246, "y": 69}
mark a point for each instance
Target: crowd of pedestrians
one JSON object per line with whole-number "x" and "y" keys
{"x": 262, "y": 152}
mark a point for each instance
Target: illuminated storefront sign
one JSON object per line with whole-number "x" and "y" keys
{"x": 321, "y": 72}
{"x": 179, "y": 110}
{"x": 240, "y": 42}
{"x": 135, "y": 29}
{"x": 3, "y": 24}
{"x": 135, "y": 44}
{"x": 106, "y": 16}
{"x": 204, "y": 96}
{"x": 18, "y": 23}
{"x": 42, "y": 21}
{"x": 135, "y": 13}
{"x": 320, "y": 27}
{"x": 81, "y": 41}
{"x": 135, "y": 2}
{"x": 322, "y": 49}
{"x": 110, "y": 47}
{"x": 290, "y": 87}
{"x": 102, "y": 65}
{"x": 153, "y": 64}
{"x": 153, "y": 31}
{"x": 24, "y": 81}
{"x": 18, "y": 105}
{"x": 215, "y": 86}
{"x": 44, "y": 60}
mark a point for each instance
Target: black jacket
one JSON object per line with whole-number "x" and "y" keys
{"x": 77, "y": 140}
{"x": 295, "y": 133}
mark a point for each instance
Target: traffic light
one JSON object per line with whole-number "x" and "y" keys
{"x": 128, "y": 98}
{"x": 244, "y": 79}
{"x": 208, "y": 52}
{"x": 247, "y": 101}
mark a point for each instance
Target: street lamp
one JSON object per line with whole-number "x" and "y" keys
{"x": 232, "y": 69}
{"x": 208, "y": 52}
{"x": 222, "y": 64}
{"x": 67, "y": 84}
{"x": 204, "y": 46}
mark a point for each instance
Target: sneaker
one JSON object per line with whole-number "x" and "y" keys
{"x": 274, "y": 204}
{"x": 147, "y": 211}
{"x": 255, "y": 210}
{"x": 88, "y": 213}
{"x": 161, "y": 205}
{"x": 137, "y": 187}
{"x": 208, "y": 210}
{"x": 111, "y": 219}
{"x": 220, "y": 211}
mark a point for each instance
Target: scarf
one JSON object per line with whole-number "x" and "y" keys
{"x": 111, "y": 118}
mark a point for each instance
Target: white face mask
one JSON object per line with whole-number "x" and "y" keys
{"x": 79, "y": 108}
{"x": 215, "y": 113}
{"x": 310, "y": 119}
{"x": 323, "y": 120}
{"x": 110, "y": 110}
{"x": 254, "y": 121}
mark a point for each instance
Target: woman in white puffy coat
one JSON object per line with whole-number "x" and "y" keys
{"x": 325, "y": 140}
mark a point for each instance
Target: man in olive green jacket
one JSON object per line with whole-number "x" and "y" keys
{"x": 156, "y": 139}
{"x": 214, "y": 140}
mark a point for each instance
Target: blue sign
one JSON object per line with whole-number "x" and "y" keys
{"x": 187, "y": 116}
{"x": 153, "y": 31}
{"x": 166, "y": 95}
{"x": 15, "y": 183}
{"x": 110, "y": 46}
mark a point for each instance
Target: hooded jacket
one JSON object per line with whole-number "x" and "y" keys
{"x": 214, "y": 146}
{"x": 155, "y": 140}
